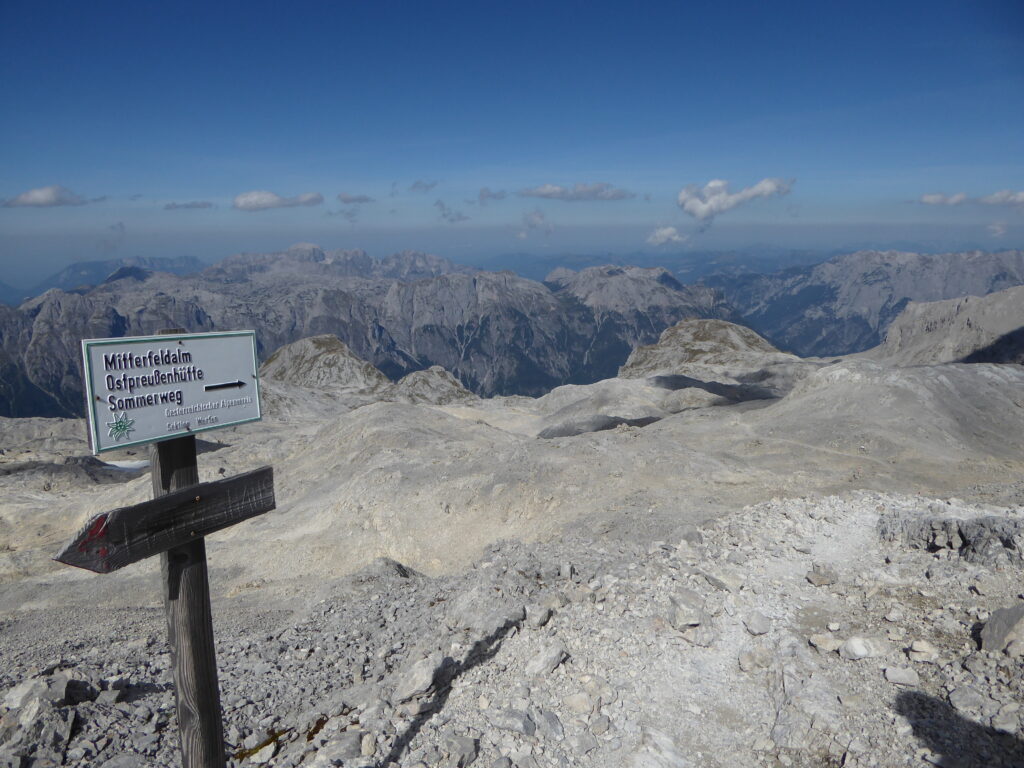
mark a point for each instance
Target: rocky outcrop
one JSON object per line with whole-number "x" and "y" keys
{"x": 324, "y": 363}
{"x": 846, "y": 304}
{"x": 701, "y": 342}
{"x": 434, "y": 385}
{"x": 716, "y": 361}
{"x": 987, "y": 329}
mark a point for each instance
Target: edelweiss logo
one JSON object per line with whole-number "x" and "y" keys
{"x": 121, "y": 427}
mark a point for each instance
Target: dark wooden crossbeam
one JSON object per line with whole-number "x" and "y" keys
{"x": 114, "y": 539}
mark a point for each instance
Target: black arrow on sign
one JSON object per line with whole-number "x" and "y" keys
{"x": 225, "y": 385}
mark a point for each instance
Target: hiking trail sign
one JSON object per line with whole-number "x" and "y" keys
{"x": 163, "y": 389}
{"x": 144, "y": 389}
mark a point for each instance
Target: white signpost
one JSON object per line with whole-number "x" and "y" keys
{"x": 148, "y": 388}
{"x": 163, "y": 389}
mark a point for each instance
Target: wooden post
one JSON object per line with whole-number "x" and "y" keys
{"x": 189, "y": 618}
{"x": 174, "y": 522}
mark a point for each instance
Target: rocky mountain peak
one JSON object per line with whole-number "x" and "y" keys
{"x": 621, "y": 289}
{"x": 434, "y": 385}
{"x": 700, "y": 342}
{"x": 323, "y": 363}
{"x": 128, "y": 273}
{"x": 306, "y": 252}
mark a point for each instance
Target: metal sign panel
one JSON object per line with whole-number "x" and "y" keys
{"x": 144, "y": 389}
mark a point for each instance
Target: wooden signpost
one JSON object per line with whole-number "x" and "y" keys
{"x": 182, "y": 510}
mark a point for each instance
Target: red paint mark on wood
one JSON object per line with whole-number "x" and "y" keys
{"x": 97, "y": 532}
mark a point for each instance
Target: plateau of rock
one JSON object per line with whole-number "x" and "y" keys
{"x": 725, "y": 555}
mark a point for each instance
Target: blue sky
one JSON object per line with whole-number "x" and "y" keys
{"x": 140, "y": 128}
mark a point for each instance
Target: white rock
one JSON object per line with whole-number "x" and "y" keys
{"x": 902, "y": 676}
{"x": 265, "y": 755}
{"x": 419, "y": 678}
{"x": 757, "y": 623}
{"x": 544, "y": 661}
{"x": 857, "y": 647}
{"x": 825, "y": 642}
{"x": 923, "y": 651}
{"x": 1003, "y": 627}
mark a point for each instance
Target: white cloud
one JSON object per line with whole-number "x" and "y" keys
{"x": 598, "y": 191}
{"x": 47, "y": 197}
{"x": 190, "y": 204}
{"x": 486, "y": 194}
{"x": 997, "y": 228}
{"x": 350, "y": 214}
{"x": 422, "y": 186}
{"x": 940, "y": 199}
{"x": 354, "y": 199}
{"x": 715, "y": 198}
{"x": 1003, "y": 197}
{"x": 261, "y": 200}
{"x": 535, "y": 220}
{"x": 448, "y": 214}
{"x": 663, "y": 235}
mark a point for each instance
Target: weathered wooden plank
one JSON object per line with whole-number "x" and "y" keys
{"x": 189, "y": 617}
{"x": 114, "y": 539}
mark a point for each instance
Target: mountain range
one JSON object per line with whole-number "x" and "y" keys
{"x": 845, "y": 304}
{"x": 497, "y": 333}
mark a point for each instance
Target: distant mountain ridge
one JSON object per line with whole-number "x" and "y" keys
{"x": 845, "y": 304}
{"x": 310, "y": 259}
{"x": 81, "y": 274}
{"x": 497, "y": 333}
{"x": 10, "y": 295}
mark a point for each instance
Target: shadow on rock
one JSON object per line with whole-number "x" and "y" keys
{"x": 482, "y": 651}
{"x": 958, "y": 741}
{"x": 734, "y": 393}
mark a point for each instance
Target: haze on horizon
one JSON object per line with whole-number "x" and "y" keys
{"x": 474, "y": 132}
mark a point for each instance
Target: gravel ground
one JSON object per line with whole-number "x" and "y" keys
{"x": 842, "y": 630}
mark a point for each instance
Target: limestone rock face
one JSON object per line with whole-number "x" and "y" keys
{"x": 1004, "y": 627}
{"x": 845, "y": 305}
{"x": 971, "y": 329}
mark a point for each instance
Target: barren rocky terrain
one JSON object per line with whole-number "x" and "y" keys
{"x": 724, "y": 556}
